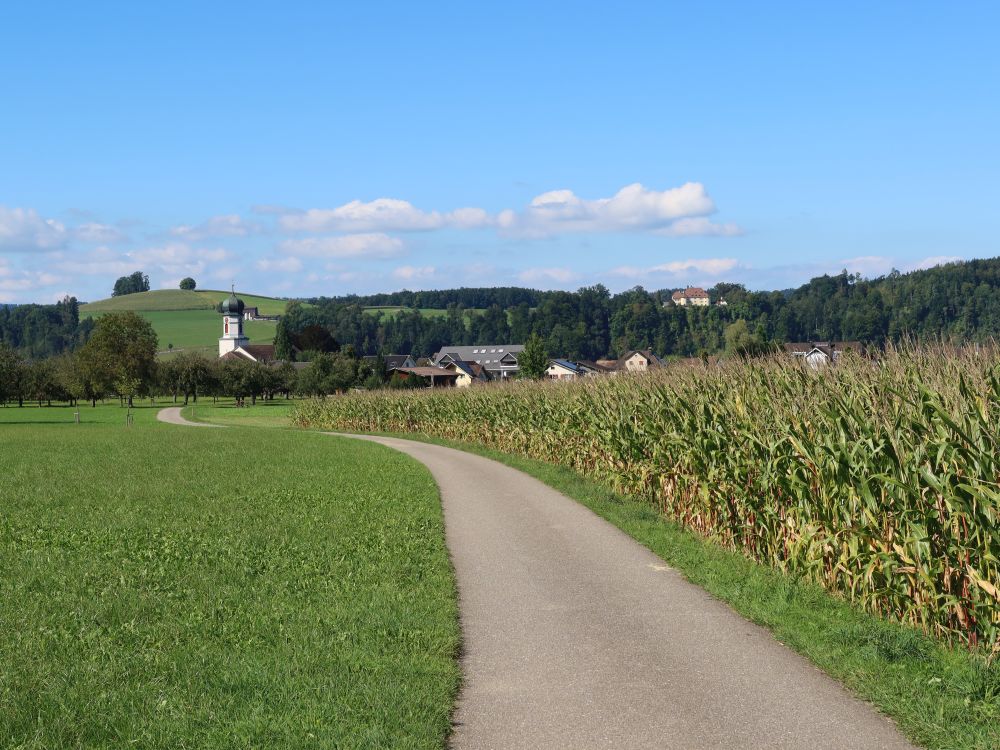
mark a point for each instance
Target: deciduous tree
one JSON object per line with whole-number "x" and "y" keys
{"x": 120, "y": 356}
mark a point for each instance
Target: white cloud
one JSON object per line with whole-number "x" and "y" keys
{"x": 699, "y": 226}
{"x": 101, "y": 261}
{"x": 13, "y": 282}
{"x": 712, "y": 266}
{"x": 381, "y": 215}
{"x": 537, "y": 275}
{"x": 468, "y": 218}
{"x": 229, "y": 225}
{"x": 633, "y": 208}
{"x": 372, "y": 245}
{"x": 868, "y": 265}
{"x": 271, "y": 209}
{"x": 94, "y": 232}
{"x": 281, "y": 265}
{"x": 707, "y": 267}
{"x": 23, "y": 230}
{"x": 936, "y": 260}
{"x": 167, "y": 261}
{"x": 411, "y": 273}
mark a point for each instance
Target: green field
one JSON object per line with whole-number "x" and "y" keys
{"x": 200, "y": 329}
{"x": 277, "y": 413}
{"x": 173, "y": 587}
{"x": 391, "y": 312}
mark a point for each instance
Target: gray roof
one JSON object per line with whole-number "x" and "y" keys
{"x": 488, "y": 355}
{"x": 565, "y": 363}
{"x": 392, "y": 361}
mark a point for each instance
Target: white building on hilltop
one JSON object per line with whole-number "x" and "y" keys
{"x": 693, "y": 295}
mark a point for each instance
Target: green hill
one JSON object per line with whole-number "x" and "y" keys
{"x": 185, "y": 320}
{"x": 179, "y": 299}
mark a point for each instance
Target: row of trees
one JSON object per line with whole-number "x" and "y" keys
{"x": 119, "y": 360}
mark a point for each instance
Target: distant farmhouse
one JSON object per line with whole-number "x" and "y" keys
{"x": 638, "y": 361}
{"x": 693, "y": 295}
{"x": 252, "y": 313}
{"x": 818, "y": 354}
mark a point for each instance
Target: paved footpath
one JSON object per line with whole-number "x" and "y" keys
{"x": 172, "y": 415}
{"x": 576, "y": 636}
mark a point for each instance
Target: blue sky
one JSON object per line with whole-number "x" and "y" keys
{"x": 302, "y": 149}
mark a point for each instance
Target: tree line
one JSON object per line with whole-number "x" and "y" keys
{"x": 957, "y": 301}
{"x": 119, "y": 361}
{"x": 44, "y": 330}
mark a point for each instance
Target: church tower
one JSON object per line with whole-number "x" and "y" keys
{"x": 232, "y": 324}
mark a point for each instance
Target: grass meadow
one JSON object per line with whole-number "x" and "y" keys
{"x": 170, "y": 587}
{"x": 179, "y": 299}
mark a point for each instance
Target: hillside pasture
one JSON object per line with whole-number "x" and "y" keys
{"x": 194, "y": 328}
{"x": 170, "y": 587}
{"x": 179, "y": 299}
{"x": 391, "y": 312}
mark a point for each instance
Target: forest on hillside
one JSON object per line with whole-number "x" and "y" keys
{"x": 39, "y": 331}
{"x": 957, "y": 301}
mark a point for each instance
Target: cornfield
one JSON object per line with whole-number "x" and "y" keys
{"x": 876, "y": 479}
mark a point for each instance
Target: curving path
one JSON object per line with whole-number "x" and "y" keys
{"x": 576, "y": 636}
{"x": 172, "y": 415}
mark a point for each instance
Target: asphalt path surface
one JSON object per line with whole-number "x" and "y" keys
{"x": 172, "y": 415}
{"x": 576, "y": 636}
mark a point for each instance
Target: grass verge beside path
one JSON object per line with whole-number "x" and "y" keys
{"x": 275, "y": 413}
{"x": 166, "y": 587}
{"x": 941, "y": 698}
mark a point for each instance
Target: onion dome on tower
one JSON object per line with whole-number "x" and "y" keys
{"x": 232, "y": 305}
{"x": 232, "y": 325}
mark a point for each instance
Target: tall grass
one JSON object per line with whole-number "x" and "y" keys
{"x": 876, "y": 479}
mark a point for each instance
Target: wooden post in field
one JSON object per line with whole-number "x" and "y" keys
{"x": 77, "y": 415}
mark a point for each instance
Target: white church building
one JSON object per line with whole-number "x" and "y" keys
{"x": 234, "y": 343}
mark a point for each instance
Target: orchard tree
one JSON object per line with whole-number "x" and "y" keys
{"x": 188, "y": 284}
{"x": 192, "y": 374}
{"x": 120, "y": 356}
{"x": 13, "y": 375}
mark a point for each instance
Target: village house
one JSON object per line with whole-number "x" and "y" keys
{"x": 638, "y": 361}
{"x": 467, "y": 373}
{"x": 818, "y": 354}
{"x": 392, "y": 361}
{"x": 435, "y": 377}
{"x": 564, "y": 369}
{"x": 693, "y": 295}
{"x": 498, "y": 360}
